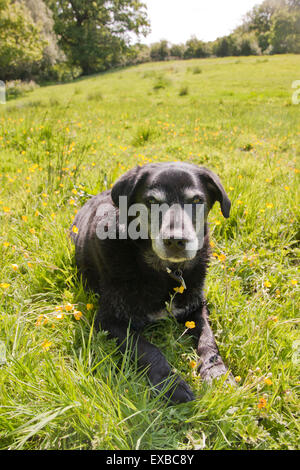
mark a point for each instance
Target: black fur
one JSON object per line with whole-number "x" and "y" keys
{"x": 132, "y": 280}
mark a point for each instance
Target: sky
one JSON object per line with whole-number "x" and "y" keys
{"x": 178, "y": 20}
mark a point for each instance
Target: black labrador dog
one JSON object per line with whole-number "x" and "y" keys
{"x": 135, "y": 264}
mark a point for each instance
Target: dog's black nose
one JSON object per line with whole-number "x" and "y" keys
{"x": 175, "y": 243}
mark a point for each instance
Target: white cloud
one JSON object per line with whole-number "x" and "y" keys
{"x": 178, "y": 20}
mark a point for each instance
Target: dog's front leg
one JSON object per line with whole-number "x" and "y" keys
{"x": 210, "y": 364}
{"x": 150, "y": 358}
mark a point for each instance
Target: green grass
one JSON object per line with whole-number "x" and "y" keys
{"x": 65, "y": 387}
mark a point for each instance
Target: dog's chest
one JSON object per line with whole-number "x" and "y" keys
{"x": 164, "y": 313}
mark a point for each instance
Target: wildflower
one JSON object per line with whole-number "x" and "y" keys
{"x": 32, "y": 230}
{"x": 46, "y": 344}
{"x": 15, "y": 267}
{"x": 69, "y": 307}
{"x": 217, "y": 222}
{"x": 77, "y": 314}
{"x": 24, "y": 218}
{"x": 262, "y": 403}
{"x": 39, "y": 320}
{"x": 267, "y": 284}
{"x": 222, "y": 257}
{"x": 240, "y": 202}
{"x": 59, "y": 316}
{"x": 269, "y": 205}
{"x": 190, "y": 325}
{"x": 89, "y": 306}
{"x": 268, "y": 381}
{"x": 277, "y": 293}
{"x": 212, "y": 244}
{"x": 6, "y": 244}
{"x": 6, "y": 209}
{"x": 193, "y": 364}
{"x": 294, "y": 282}
{"x": 72, "y": 202}
{"x": 179, "y": 290}
{"x": 74, "y": 229}
{"x": 4, "y": 285}
{"x": 74, "y": 191}
{"x": 238, "y": 379}
{"x": 287, "y": 188}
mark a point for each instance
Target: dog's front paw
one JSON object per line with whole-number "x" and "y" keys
{"x": 214, "y": 368}
{"x": 175, "y": 389}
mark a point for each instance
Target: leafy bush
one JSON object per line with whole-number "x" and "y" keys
{"x": 17, "y": 88}
{"x": 161, "y": 82}
{"x": 184, "y": 90}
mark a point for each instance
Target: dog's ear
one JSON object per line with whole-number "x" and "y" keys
{"x": 126, "y": 186}
{"x": 215, "y": 190}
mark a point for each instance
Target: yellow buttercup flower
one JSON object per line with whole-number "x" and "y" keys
{"x": 193, "y": 364}
{"x": 68, "y": 307}
{"x": 4, "y": 285}
{"x": 89, "y": 306}
{"x": 75, "y": 229}
{"x": 268, "y": 381}
{"x": 179, "y": 290}
{"x": 262, "y": 403}
{"x": 267, "y": 284}
{"x": 190, "y": 325}
{"x": 77, "y": 315}
{"x": 46, "y": 344}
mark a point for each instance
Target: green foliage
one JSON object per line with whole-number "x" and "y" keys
{"x": 93, "y": 34}
{"x": 195, "y": 49}
{"x": 159, "y": 50}
{"x": 17, "y": 88}
{"x": 285, "y": 33}
{"x": 21, "y": 45}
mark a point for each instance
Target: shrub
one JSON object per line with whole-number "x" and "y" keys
{"x": 161, "y": 82}
{"x": 17, "y": 88}
{"x": 184, "y": 90}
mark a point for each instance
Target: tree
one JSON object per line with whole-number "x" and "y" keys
{"x": 21, "y": 45}
{"x": 94, "y": 34}
{"x": 177, "y": 50}
{"x": 43, "y": 19}
{"x": 194, "y": 48}
{"x": 285, "y": 33}
{"x": 159, "y": 50}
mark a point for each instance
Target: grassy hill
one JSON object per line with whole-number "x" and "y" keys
{"x": 62, "y": 386}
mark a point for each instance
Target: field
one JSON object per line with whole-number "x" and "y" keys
{"x": 62, "y": 385}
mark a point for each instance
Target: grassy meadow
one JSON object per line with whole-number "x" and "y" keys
{"x": 62, "y": 386}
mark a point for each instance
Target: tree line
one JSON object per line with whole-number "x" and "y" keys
{"x": 58, "y": 40}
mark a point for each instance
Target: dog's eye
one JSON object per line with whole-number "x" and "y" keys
{"x": 151, "y": 200}
{"x": 198, "y": 200}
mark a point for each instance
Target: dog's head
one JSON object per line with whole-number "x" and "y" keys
{"x": 177, "y": 197}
